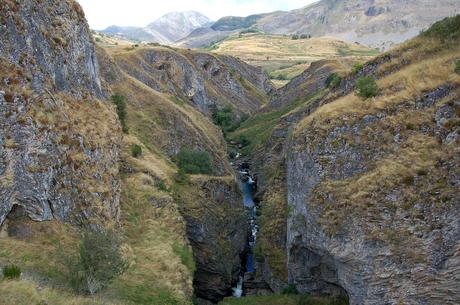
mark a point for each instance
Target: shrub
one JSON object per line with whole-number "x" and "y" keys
{"x": 295, "y": 37}
{"x": 194, "y": 161}
{"x": 333, "y": 81}
{"x": 290, "y": 289}
{"x": 457, "y": 67}
{"x": 227, "y": 120}
{"x": 357, "y": 67}
{"x": 305, "y": 36}
{"x": 161, "y": 185}
{"x": 243, "y": 140}
{"x": 11, "y": 272}
{"x": 136, "y": 151}
{"x": 98, "y": 262}
{"x": 367, "y": 87}
{"x": 120, "y": 103}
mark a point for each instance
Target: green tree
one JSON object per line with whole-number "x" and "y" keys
{"x": 457, "y": 67}
{"x": 98, "y": 262}
{"x": 194, "y": 161}
{"x": 367, "y": 87}
{"x": 120, "y": 103}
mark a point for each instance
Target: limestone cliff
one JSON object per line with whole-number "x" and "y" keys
{"x": 59, "y": 145}
{"x": 206, "y": 81}
{"x": 373, "y": 184}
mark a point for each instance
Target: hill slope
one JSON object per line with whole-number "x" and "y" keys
{"x": 356, "y": 192}
{"x": 285, "y": 58}
{"x": 378, "y": 24}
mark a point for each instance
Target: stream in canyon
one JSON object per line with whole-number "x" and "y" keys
{"x": 248, "y": 187}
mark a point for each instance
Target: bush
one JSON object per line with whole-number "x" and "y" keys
{"x": 161, "y": 185}
{"x": 120, "y": 102}
{"x": 98, "y": 262}
{"x": 357, "y": 67}
{"x": 136, "y": 151}
{"x": 295, "y": 37}
{"x": 194, "y": 161}
{"x": 457, "y": 67}
{"x": 367, "y": 87}
{"x": 11, "y": 272}
{"x": 333, "y": 81}
{"x": 290, "y": 289}
{"x": 243, "y": 140}
{"x": 305, "y": 36}
{"x": 227, "y": 120}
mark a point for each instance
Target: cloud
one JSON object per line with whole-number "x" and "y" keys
{"x": 102, "y": 13}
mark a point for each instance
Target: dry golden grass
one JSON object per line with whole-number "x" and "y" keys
{"x": 280, "y": 55}
{"x": 26, "y": 292}
{"x": 401, "y": 86}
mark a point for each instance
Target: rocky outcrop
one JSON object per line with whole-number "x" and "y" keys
{"x": 208, "y": 82}
{"x": 52, "y": 41}
{"x": 216, "y": 228}
{"x": 372, "y": 190}
{"x": 59, "y": 147}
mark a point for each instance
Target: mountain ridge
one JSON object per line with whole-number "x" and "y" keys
{"x": 167, "y": 29}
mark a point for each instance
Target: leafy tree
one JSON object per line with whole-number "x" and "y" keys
{"x": 120, "y": 103}
{"x": 367, "y": 87}
{"x": 295, "y": 37}
{"x": 194, "y": 161}
{"x": 98, "y": 262}
{"x": 243, "y": 140}
{"x": 227, "y": 119}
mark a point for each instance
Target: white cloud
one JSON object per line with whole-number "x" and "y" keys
{"x": 102, "y": 13}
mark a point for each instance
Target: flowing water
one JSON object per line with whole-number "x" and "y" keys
{"x": 253, "y": 228}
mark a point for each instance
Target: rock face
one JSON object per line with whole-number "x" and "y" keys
{"x": 216, "y": 228}
{"x": 56, "y": 163}
{"x": 374, "y": 191}
{"x": 209, "y": 82}
{"x": 52, "y": 40}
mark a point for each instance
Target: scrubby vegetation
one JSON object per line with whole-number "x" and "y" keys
{"x": 447, "y": 29}
{"x": 457, "y": 67}
{"x": 333, "y": 81}
{"x": 227, "y": 119}
{"x": 194, "y": 161}
{"x": 98, "y": 262}
{"x": 367, "y": 87}
{"x": 357, "y": 67}
{"x": 290, "y": 289}
{"x": 136, "y": 150}
{"x": 120, "y": 103}
{"x": 11, "y": 272}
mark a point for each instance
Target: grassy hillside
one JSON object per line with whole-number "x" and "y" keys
{"x": 283, "y": 57}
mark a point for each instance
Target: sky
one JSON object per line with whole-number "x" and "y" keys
{"x": 103, "y": 13}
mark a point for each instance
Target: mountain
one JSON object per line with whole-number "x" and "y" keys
{"x": 354, "y": 192}
{"x": 165, "y": 30}
{"x": 378, "y": 24}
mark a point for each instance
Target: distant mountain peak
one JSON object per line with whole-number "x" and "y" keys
{"x": 167, "y": 29}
